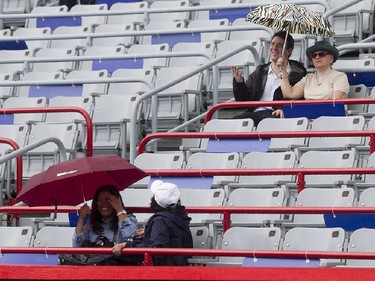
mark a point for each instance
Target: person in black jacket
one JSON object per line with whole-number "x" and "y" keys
{"x": 168, "y": 227}
{"x": 264, "y": 83}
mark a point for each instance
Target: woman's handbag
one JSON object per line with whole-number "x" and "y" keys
{"x": 87, "y": 259}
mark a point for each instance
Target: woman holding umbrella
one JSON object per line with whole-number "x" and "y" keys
{"x": 108, "y": 222}
{"x": 324, "y": 83}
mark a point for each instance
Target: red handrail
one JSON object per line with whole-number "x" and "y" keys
{"x": 244, "y": 104}
{"x": 83, "y": 112}
{"x": 225, "y": 210}
{"x": 257, "y": 135}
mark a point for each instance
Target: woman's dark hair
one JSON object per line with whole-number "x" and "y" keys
{"x": 155, "y": 207}
{"x": 289, "y": 40}
{"x": 95, "y": 217}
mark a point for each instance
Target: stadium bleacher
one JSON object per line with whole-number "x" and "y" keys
{"x": 70, "y": 60}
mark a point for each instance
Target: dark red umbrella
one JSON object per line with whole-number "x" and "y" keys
{"x": 75, "y": 181}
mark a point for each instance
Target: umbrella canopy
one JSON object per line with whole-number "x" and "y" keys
{"x": 291, "y": 18}
{"x": 75, "y": 181}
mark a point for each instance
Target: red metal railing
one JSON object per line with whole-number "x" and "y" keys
{"x": 66, "y": 109}
{"x": 225, "y": 210}
{"x": 149, "y": 252}
{"x": 241, "y": 104}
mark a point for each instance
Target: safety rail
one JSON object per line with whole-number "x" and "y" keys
{"x": 67, "y": 109}
{"x": 243, "y": 104}
{"x": 224, "y": 210}
{"x": 149, "y": 252}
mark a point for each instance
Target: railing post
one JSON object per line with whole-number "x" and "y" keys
{"x": 226, "y": 221}
{"x": 147, "y": 259}
{"x": 300, "y": 182}
{"x": 372, "y": 143}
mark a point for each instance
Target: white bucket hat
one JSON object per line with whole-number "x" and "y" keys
{"x": 165, "y": 193}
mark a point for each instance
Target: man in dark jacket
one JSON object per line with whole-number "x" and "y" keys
{"x": 264, "y": 83}
{"x": 168, "y": 227}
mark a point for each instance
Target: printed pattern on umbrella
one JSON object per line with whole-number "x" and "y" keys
{"x": 292, "y": 18}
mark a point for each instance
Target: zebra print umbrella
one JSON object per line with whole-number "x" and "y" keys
{"x": 291, "y": 18}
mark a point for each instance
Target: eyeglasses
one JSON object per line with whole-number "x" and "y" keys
{"x": 320, "y": 54}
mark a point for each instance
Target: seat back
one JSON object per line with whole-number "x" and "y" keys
{"x": 54, "y": 236}
{"x": 113, "y": 40}
{"x": 327, "y": 159}
{"x": 132, "y": 88}
{"x": 268, "y": 160}
{"x": 322, "y": 197}
{"x": 150, "y": 49}
{"x": 34, "y": 31}
{"x": 286, "y": 124}
{"x": 156, "y": 161}
{"x": 314, "y": 239}
{"x": 361, "y": 240}
{"x": 210, "y": 36}
{"x": 127, "y": 18}
{"x": 246, "y": 238}
{"x": 20, "y": 102}
{"x": 202, "y": 198}
{"x": 51, "y": 65}
{"x": 252, "y": 197}
{"x": 137, "y": 197}
{"x": 16, "y": 236}
{"x": 99, "y": 64}
{"x": 331, "y": 123}
{"x": 202, "y": 160}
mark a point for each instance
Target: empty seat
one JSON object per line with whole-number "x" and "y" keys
{"x": 21, "y": 102}
{"x": 90, "y": 20}
{"x": 216, "y": 36}
{"x": 171, "y": 38}
{"x": 361, "y": 240}
{"x": 203, "y": 160}
{"x": 221, "y": 125}
{"x": 54, "y": 66}
{"x": 99, "y": 64}
{"x": 113, "y": 40}
{"x": 315, "y": 239}
{"x": 246, "y": 238}
{"x": 287, "y": 124}
{"x": 252, "y": 197}
{"x": 17, "y": 67}
{"x": 143, "y": 81}
{"x": 54, "y": 236}
{"x": 134, "y": 19}
{"x": 178, "y": 102}
{"x": 43, "y": 156}
{"x": 75, "y": 43}
{"x": 34, "y": 31}
{"x": 327, "y": 159}
{"x": 40, "y": 22}
{"x": 139, "y": 49}
{"x": 357, "y": 92}
{"x": 156, "y": 161}
{"x": 36, "y": 79}
{"x": 89, "y": 89}
{"x": 332, "y": 123}
{"x": 321, "y": 197}
{"x": 110, "y": 117}
{"x": 191, "y": 197}
{"x": 16, "y": 236}
{"x": 266, "y": 160}
{"x": 136, "y": 197}
{"x": 171, "y": 16}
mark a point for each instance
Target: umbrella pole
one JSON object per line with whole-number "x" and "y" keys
{"x": 286, "y": 37}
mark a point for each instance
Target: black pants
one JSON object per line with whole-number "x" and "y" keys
{"x": 257, "y": 116}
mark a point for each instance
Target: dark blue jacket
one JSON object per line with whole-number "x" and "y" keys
{"x": 168, "y": 229}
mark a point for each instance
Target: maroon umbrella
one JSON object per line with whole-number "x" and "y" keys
{"x": 75, "y": 181}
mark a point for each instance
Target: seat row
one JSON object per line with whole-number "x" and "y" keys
{"x": 236, "y": 238}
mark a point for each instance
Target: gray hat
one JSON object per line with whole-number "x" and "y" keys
{"x": 323, "y": 46}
